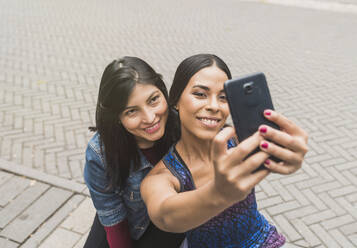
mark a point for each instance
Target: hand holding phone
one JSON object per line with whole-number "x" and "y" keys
{"x": 248, "y": 97}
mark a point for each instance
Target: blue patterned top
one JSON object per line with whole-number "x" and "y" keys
{"x": 240, "y": 225}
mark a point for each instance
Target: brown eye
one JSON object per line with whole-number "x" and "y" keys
{"x": 154, "y": 99}
{"x": 199, "y": 94}
{"x": 223, "y": 97}
{"x": 130, "y": 112}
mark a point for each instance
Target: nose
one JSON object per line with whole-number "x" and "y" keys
{"x": 213, "y": 104}
{"x": 149, "y": 116}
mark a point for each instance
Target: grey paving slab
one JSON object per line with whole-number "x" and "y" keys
{"x": 4, "y": 243}
{"x": 61, "y": 238}
{"x": 12, "y": 188}
{"x": 81, "y": 219}
{"x": 19, "y": 204}
{"x": 38, "y": 175}
{"x": 53, "y": 222}
{"x": 33, "y": 217}
{"x": 4, "y": 177}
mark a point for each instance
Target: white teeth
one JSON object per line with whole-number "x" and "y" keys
{"x": 209, "y": 121}
{"x": 152, "y": 128}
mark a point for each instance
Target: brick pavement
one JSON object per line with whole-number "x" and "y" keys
{"x": 52, "y": 55}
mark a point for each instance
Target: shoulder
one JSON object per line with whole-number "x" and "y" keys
{"x": 94, "y": 146}
{"x": 94, "y": 154}
{"x": 160, "y": 175}
{"x": 94, "y": 143}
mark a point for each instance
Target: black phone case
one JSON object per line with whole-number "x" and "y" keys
{"x": 248, "y": 97}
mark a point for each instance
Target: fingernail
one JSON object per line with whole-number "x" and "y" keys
{"x": 267, "y": 162}
{"x": 265, "y": 145}
{"x": 263, "y": 129}
{"x": 267, "y": 113}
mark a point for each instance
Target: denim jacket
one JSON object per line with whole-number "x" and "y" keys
{"x": 116, "y": 205}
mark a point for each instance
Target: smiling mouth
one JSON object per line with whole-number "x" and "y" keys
{"x": 209, "y": 122}
{"x": 153, "y": 128}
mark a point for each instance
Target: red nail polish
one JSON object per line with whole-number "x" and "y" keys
{"x": 265, "y": 145}
{"x": 263, "y": 129}
{"x": 267, "y": 161}
{"x": 267, "y": 113}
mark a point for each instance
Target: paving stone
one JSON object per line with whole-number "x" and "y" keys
{"x": 301, "y": 212}
{"x": 54, "y": 221}
{"x": 12, "y": 188}
{"x": 5, "y": 243}
{"x": 81, "y": 219}
{"x": 40, "y": 176}
{"x": 289, "y": 245}
{"x": 82, "y": 241}
{"x": 337, "y": 222}
{"x": 283, "y": 192}
{"x": 308, "y": 235}
{"x": 352, "y": 210}
{"x": 283, "y": 207}
{"x": 267, "y": 188}
{"x": 340, "y": 238}
{"x": 325, "y": 237}
{"x": 270, "y": 201}
{"x": 61, "y": 238}
{"x": 353, "y": 239}
{"x": 19, "y": 204}
{"x": 287, "y": 228}
{"x": 298, "y": 195}
{"x": 332, "y": 204}
{"x": 326, "y": 187}
{"x": 343, "y": 191}
{"x": 4, "y": 176}
{"x": 34, "y": 216}
{"x": 314, "y": 199}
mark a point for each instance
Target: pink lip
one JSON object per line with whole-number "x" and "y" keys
{"x": 154, "y": 128}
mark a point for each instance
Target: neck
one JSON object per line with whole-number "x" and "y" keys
{"x": 192, "y": 148}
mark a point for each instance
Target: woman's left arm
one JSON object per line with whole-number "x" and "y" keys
{"x": 288, "y": 144}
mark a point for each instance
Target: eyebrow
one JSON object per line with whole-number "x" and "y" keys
{"x": 203, "y": 87}
{"x": 147, "y": 100}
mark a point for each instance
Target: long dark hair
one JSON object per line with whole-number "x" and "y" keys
{"x": 187, "y": 68}
{"x": 117, "y": 144}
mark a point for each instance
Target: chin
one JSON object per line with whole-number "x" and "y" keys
{"x": 206, "y": 135}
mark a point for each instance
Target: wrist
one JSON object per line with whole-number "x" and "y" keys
{"x": 217, "y": 197}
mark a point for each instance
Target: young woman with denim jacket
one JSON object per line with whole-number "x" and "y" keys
{"x": 204, "y": 185}
{"x": 134, "y": 129}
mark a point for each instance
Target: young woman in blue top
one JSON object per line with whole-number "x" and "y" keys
{"x": 205, "y": 187}
{"x": 134, "y": 129}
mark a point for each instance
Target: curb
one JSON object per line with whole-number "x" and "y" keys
{"x": 59, "y": 182}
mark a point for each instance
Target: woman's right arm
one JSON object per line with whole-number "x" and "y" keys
{"x": 108, "y": 203}
{"x": 233, "y": 181}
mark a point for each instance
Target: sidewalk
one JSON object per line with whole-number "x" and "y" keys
{"x": 53, "y": 53}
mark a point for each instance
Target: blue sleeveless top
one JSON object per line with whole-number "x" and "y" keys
{"x": 240, "y": 225}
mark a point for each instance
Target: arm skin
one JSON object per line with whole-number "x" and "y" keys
{"x": 176, "y": 212}
{"x": 179, "y": 212}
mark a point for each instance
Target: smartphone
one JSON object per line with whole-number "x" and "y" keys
{"x": 247, "y": 98}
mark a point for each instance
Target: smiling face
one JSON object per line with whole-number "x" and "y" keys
{"x": 203, "y": 107}
{"x": 145, "y": 115}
